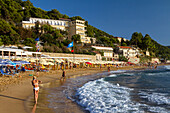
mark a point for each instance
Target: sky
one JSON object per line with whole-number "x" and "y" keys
{"x": 119, "y": 17}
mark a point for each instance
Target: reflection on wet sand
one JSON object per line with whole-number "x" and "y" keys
{"x": 34, "y": 108}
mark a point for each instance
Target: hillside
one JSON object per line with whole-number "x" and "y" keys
{"x": 12, "y": 12}
{"x": 147, "y": 43}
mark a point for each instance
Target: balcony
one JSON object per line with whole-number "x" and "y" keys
{"x": 79, "y": 29}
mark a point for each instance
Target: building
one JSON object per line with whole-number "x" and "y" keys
{"x": 120, "y": 39}
{"x": 128, "y": 52}
{"x": 58, "y": 24}
{"x": 9, "y": 53}
{"x": 107, "y": 52}
{"x": 77, "y": 27}
{"x": 72, "y": 27}
{"x": 147, "y": 53}
{"x": 155, "y": 60}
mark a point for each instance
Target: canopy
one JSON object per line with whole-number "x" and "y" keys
{"x": 88, "y": 63}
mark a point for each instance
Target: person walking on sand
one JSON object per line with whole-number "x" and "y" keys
{"x": 63, "y": 75}
{"x": 35, "y": 83}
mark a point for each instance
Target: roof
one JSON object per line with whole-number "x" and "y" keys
{"x": 11, "y": 50}
{"x": 35, "y": 52}
{"x": 65, "y": 19}
{"x": 124, "y": 47}
{"x": 102, "y": 48}
{"x": 27, "y": 47}
{"x": 96, "y": 52}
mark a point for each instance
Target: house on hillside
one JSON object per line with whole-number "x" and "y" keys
{"x": 155, "y": 60}
{"x": 107, "y": 52}
{"x": 72, "y": 27}
{"x": 120, "y": 39}
{"x": 127, "y": 51}
{"x": 147, "y": 53}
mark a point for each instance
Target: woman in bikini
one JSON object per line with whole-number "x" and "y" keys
{"x": 35, "y": 83}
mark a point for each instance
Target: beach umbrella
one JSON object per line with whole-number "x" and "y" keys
{"x": 88, "y": 63}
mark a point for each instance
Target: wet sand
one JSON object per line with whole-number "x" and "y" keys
{"x": 16, "y": 92}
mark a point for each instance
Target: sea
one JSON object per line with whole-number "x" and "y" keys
{"x": 121, "y": 91}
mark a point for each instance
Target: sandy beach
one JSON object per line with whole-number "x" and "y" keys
{"x": 15, "y": 91}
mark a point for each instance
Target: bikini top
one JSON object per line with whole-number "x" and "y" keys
{"x": 35, "y": 84}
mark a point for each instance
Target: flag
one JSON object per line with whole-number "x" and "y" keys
{"x": 37, "y": 39}
{"x": 70, "y": 45}
{"x": 72, "y": 51}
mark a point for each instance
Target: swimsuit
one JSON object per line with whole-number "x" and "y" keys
{"x": 36, "y": 88}
{"x": 35, "y": 84}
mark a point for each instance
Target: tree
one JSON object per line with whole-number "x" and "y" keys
{"x": 123, "y": 44}
{"x": 76, "y": 18}
{"x": 147, "y": 42}
{"x": 122, "y": 58}
{"x": 76, "y": 38}
{"x": 37, "y": 27}
{"x": 137, "y": 39}
{"x": 29, "y": 42}
{"x": 1, "y": 42}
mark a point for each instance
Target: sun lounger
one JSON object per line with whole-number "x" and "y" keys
{"x": 2, "y": 72}
{"x": 28, "y": 70}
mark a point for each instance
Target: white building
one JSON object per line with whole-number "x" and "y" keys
{"x": 10, "y": 53}
{"x": 72, "y": 27}
{"x": 128, "y": 52}
{"x": 107, "y": 52}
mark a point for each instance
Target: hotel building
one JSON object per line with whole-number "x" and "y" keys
{"x": 107, "y": 52}
{"x": 128, "y": 52}
{"x": 72, "y": 27}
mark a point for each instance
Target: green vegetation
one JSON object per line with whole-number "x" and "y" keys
{"x": 122, "y": 58}
{"x": 101, "y": 36}
{"x": 12, "y": 12}
{"x": 147, "y": 43}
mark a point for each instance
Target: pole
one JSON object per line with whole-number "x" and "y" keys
{"x": 73, "y": 53}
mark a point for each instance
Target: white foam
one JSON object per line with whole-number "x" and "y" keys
{"x": 118, "y": 71}
{"x": 164, "y": 67}
{"x": 113, "y": 75}
{"x": 157, "y": 98}
{"x": 100, "y": 96}
{"x": 167, "y": 67}
{"x": 158, "y": 110}
{"x": 128, "y": 74}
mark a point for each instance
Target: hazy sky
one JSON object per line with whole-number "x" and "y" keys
{"x": 119, "y": 17}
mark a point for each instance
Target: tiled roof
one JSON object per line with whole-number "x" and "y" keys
{"x": 125, "y": 47}
{"x": 102, "y": 48}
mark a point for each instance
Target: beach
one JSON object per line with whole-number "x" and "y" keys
{"x": 15, "y": 94}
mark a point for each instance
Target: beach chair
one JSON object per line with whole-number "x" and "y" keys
{"x": 2, "y": 72}
{"x": 29, "y": 70}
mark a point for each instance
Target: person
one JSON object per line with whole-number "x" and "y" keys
{"x": 63, "y": 75}
{"x": 155, "y": 66}
{"x": 117, "y": 66}
{"x": 100, "y": 66}
{"x": 35, "y": 83}
{"x": 109, "y": 69}
{"x": 37, "y": 73}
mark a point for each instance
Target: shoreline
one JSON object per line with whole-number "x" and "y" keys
{"x": 14, "y": 99}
